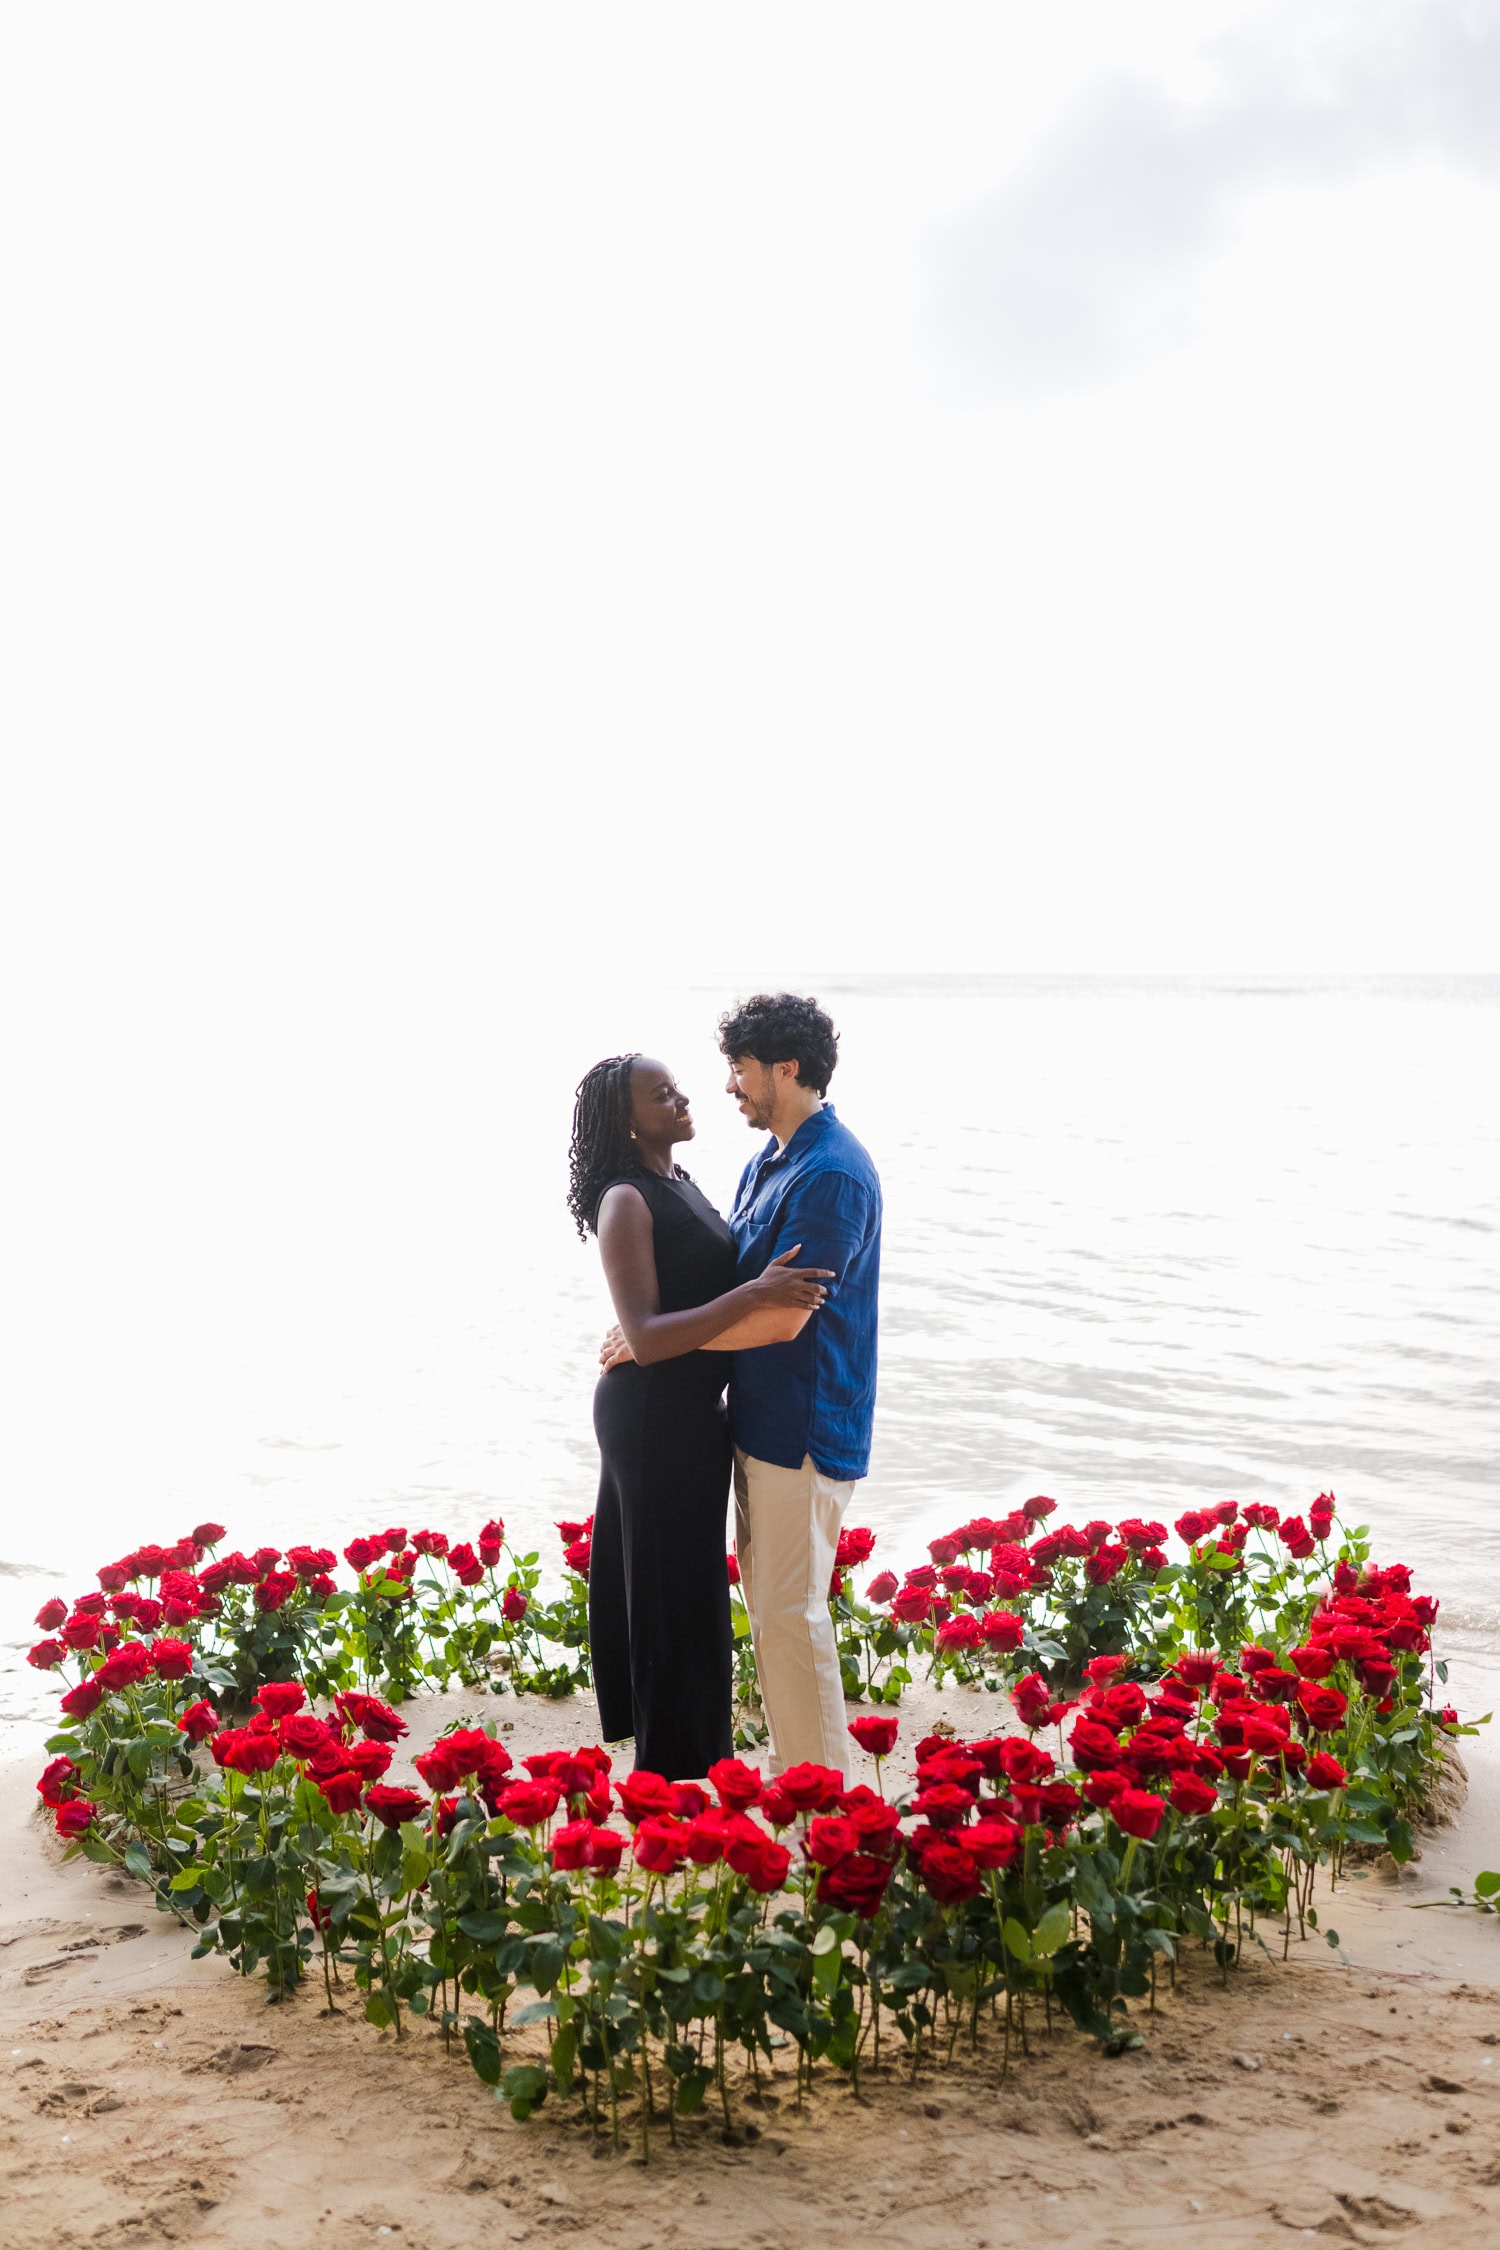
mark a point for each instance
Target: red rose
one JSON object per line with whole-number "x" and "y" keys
{"x": 303, "y": 1736}
{"x": 371, "y": 1716}
{"x": 1002, "y": 1629}
{"x": 530, "y": 1804}
{"x": 1103, "y": 1565}
{"x": 811, "y": 1788}
{"x": 245, "y": 1750}
{"x": 1263, "y": 1738}
{"x": 570, "y": 1846}
{"x": 912, "y": 1605}
{"x": 736, "y": 1785}
{"x": 1137, "y": 1811}
{"x": 370, "y": 1760}
{"x": 881, "y": 1587}
{"x": 606, "y": 1846}
{"x": 198, "y": 1722}
{"x": 994, "y": 1841}
{"x": 943, "y": 1551}
{"x": 1102, "y": 1787}
{"x": 125, "y": 1667}
{"x": 392, "y": 1806}
{"x": 568, "y": 1532}
{"x": 46, "y": 1655}
{"x": 490, "y": 1541}
{"x": 430, "y": 1542}
{"x": 642, "y": 1793}
{"x": 1024, "y": 1761}
{"x": 660, "y": 1844}
{"x": 855, "y": 1885}
{"x": 1321, "y": 1514}
{"x": 856, "y": 1545}
{"x": 876, "y": 1824}
{"x": 576, "y": 1556}
{"x": 764, "y": 1868}
{"x": 342, "y": 1791}
{"x": 438, "y": 1771}
{"x": 960, "y": 1632}
{"x": 1092, "y": 1745}
{"x": 278, "y": 1699}
{"x": 1324, "y": 1708}
{"x": 1191, "y": 1794}
{"x": 173, "y": 1660}
{"x": 1196, "y": 1666}
{"x": 74, "y": 1818}
{"x": 465, "y": 1565}
{"x": 949, "y": 1872}
{"x": 777, "y": 1805}
{"x": 1325, "y": 1772}
{"x": 1297, "y": 1538}
{"x": 56, "y": 1784}
{"x": 707, "y": 1834}
{"x": 513, "y": 1605}
{"x": 82, "y": 1630}
{"x": 832, "y": 1837}
{"x": 877, "y": 1736}
{"x": 51, "y": 1615}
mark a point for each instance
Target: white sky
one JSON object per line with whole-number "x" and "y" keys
{"x": 496, "y": 490}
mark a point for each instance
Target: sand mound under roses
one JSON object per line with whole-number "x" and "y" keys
{"x": 145, "y": 2098}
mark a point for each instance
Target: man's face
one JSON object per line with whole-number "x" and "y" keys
{"x": 752, "y": 1085}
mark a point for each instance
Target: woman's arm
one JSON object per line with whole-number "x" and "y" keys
{"x": 628, "y": 1251}
{"x": 746, "y": 1335}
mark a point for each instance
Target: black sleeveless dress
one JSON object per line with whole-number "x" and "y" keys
{"x": 658, "y": 1587}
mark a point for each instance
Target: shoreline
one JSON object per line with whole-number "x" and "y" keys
{"x": 148, "y": 2097}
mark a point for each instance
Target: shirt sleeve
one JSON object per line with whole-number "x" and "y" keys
{"x": 829, "y": 1214}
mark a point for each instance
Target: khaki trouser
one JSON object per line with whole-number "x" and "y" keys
{"x": 786, "y": 1535}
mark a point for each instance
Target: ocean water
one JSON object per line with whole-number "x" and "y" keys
{"x": 1146, "y": 1243}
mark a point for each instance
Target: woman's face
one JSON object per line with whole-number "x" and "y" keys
{"x": 659, "y": 1110}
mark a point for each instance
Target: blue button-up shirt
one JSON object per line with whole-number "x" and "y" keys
{"x": 815, "y": 1395}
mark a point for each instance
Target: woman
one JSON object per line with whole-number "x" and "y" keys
{"x": 658, "y": 1587}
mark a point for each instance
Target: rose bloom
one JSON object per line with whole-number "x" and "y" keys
{"x": 1092, "y": 1745}
{"x": 1137, "y": 1811}
{"x": 370, "y": 1760}
{"x": 735, "y": 1784}
{"x": 832, "y": 1837}
{"x": 278, "y": 1699}
{"x": 198, "y": 1722}
{"x": 994, "y": 1842}
{"x": 1314, "y": 1661}
{"x": 642, "y": 1793}
{"x": 245, "y": 1750}
{"x": 764, "y": 1867}
{"x": 1297, "y": 1538}
{"x": 1002, "y": 1629}
{"x": 881, "y": 1587}
{"x": 56, "y": 1784}
{"x": 303, "y": 1736}
{"x": 1032, "y": 1701}
{"x": 688, "y": 1800}
{"x": 660, "y": 1844}
{"x": 856, "y": 1545}
{"x": 855, "y": 1885}
{"x": 342, "y": 1791}
{"x": 606, "y": 1845}
{"x": 75, "y": 1818}
{"x": 1325, "y": 1772}
{"x": 944, "y": 1804}
{"x": 430, "y": 1542}
{"x": 465, "y": 1564}
{"x": 513, "y": 1605}
{"x": 877, "y": 1736}
{"x": 1191, "y": 1794}
{"x": 911, "y": 1605}
{"x": 1324, "y": 1708}
{"x": 82, "y": 1630}
{"x": 707, "y": 1833}
{"x": 437, "y": 1770}
{"x": 1103, "y": 1786}
{"x": 876, "y": 1824}
{"x": 125, "y": 1667}
{"x": 371, "y": 1716}
{"x": 949, "y": 1872}
{"x": 570, "y": 1846}
{"x": 46, "y": 1655}
{"x": 811, "y": 1788}
{"x": 528, "y": 1804}
{"x": 391, "y": 1806}
{"x": 577, "y": 1556}
{"x": 81, "y": 1701}
{"x": 171, "y": 1660}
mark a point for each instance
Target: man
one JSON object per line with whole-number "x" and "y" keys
{"x": 800, "y": 1412}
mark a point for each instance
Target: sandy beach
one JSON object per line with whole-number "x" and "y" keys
{"x": 145, "y": 2097}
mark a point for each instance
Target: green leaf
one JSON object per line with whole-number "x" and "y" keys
{"x": 1487, "y": 1884}
{"x": 485, "y": 1929}
{"x": 138, "y": 1861}
{"x": 524, "y": 2087}
{"x": 1052, "y": 1931}
{"x": 1017, "y": 1941}
{"x": 378, "y": 2010}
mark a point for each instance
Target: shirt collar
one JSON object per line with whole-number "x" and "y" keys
{"x": 807, "y": 1132}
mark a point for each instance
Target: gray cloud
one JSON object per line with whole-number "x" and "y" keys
{"x": 1093, "y": 258}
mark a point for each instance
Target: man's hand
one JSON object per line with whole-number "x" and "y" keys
{"x": 614, "y": 1351}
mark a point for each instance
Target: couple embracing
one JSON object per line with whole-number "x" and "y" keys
{"x": 779, "y": 1305}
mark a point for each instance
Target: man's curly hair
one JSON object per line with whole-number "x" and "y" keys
{"x": 779, "y": 1027}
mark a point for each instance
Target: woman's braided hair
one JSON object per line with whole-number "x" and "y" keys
{"x": 602, "y": 1149}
